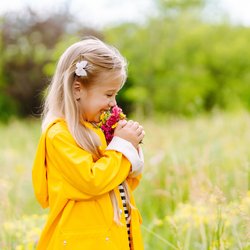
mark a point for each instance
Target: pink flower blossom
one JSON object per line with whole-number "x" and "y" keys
{"x": 109, "y": 120}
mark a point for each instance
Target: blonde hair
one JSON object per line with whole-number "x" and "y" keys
{"x": 60, "y": 101}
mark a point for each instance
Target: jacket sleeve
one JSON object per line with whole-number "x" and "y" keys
{"x": 133, "y": 182}
{"x": 134, "y": 178}
{"x": 81, "y": 173}
{"x": 135, "y": 157}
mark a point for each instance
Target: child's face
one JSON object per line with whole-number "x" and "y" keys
{"x": 99, "y": 98}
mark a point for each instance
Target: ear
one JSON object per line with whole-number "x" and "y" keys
{"x": 77, "y": 87}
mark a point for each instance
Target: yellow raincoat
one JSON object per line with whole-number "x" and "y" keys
{"x": 76, "y": 189}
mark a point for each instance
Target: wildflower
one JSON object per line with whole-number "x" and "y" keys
{"x": 109, "y": 121}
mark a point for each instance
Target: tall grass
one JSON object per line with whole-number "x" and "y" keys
{"x": 195, "y": 191}
{"x": 194, "y": 194}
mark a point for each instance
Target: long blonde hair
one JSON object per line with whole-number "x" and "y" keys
{"x": 60, "y": 101}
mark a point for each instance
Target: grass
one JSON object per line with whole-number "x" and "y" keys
{"x": 194, "y": 194}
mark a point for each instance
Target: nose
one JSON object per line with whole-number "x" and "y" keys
{"x": 112, "y": 103}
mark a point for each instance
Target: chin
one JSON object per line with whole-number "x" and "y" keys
{"x": 96, "y": 120}
{"x": 93, "y": 119}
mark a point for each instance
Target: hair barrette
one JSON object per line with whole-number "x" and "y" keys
{"x": 81, "y": 68}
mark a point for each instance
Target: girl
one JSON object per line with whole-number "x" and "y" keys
{"x": 86, "y": 184}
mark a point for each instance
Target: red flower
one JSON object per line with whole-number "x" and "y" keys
{"x": 109, "y": 122}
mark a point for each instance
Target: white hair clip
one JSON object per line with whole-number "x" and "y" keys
{"x": 81, "y": 68}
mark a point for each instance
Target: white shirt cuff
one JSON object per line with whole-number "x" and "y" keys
{"x": 128, "y": 150}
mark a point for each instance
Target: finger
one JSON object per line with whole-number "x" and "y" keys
{"x": 141, "y": 136}
{"x": 121, "y": 124}
{"x": 130, "y": 123}
{"x": 139, "y": 130}
{"x": 136, "y": 124}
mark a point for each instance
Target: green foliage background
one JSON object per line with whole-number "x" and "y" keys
{"x": 179, "y": 62}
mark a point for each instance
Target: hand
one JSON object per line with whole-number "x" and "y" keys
{"x": 130, "y": 131}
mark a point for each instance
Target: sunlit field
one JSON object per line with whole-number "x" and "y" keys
{"x": 195, "y": 192}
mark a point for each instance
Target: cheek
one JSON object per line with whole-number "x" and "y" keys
{"x": 103, "y": 101}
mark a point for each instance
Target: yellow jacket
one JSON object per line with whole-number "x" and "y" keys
{"x": 76, "y": 189}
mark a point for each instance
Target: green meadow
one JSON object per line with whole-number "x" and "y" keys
{"x": 195, "y": 192}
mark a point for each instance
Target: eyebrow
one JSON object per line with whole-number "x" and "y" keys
{"x": 112, "y": 90}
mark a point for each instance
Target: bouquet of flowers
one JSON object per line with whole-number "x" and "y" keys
{"x": 109, "y": 120}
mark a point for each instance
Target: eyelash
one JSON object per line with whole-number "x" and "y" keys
{"x": 110, "y": 95}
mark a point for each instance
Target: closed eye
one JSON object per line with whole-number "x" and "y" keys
{"x": 111, "y": 95}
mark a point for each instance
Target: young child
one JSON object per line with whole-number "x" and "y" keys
{"x": 86, "y": 184}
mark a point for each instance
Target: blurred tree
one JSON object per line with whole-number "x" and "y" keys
{"x": 184, "y": 64}
{"x": 171, "y": 6}
{"x": 28, "y": 45}
{"x": 178, "y": 62}
{"x": 7, "y": 104}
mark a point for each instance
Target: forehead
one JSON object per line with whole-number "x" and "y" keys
{"x": 109, "y": 82}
